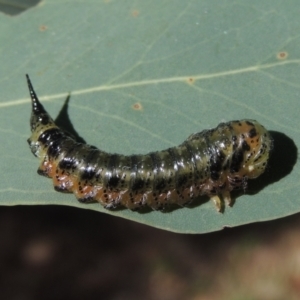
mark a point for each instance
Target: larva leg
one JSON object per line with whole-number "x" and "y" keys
{"x": 219, "y": 203}
{"x": 227, "y": 198}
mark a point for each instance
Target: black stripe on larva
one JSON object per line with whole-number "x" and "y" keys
{"x": 70, "y": 161}
{"x": 88, "y": 173}
{"x": 173, "y": 157}
{"x": 113, "y": 182}
{"x": 173, "y": 168}
{"x": 138, "y": 184}
{"x": 50, "y": 135}
{"x": 135, "y": 181}
{"x": 195, "y": 173}
{"x": 234, "y": 142}
{"x": 216, "y": 164}
{"x": 134, "y": 160}
{"x": 181, "y": 176}
{"x": 112, "y": 162}
{"x": 112, "y": 178}
{"x": 155, "y": 162}
{"x": 237, "y": 159}
{"x": 159, "y": 182}
{"x": 179, "y": 181}
{"x": 67, "y": 163}
{"x": 54, "y": 148}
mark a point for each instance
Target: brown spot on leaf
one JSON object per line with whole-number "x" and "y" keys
{"x": 191, "y": 80}
{"x": 135, "y": 13}
{"x": 282, "y": 55}
{"x": 43, "y": 28}
{"x": 137, "y": 106}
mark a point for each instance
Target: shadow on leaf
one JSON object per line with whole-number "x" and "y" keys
{"x": 282, "y": 161}
{"x": 63, "y": 121}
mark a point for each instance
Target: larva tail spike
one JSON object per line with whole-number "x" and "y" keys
{"x": 37, "y": 107}
{"x": 39, "y": 116}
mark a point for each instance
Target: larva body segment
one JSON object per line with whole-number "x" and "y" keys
{"x": 213, "y": 162}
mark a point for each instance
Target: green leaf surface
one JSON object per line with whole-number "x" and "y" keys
{"x": 189, "y": 65}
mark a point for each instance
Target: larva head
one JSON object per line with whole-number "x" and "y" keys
{"x": 252, "y": 147}
{"x": 40, "y": 120}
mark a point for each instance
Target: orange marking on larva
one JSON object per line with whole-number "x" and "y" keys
{"x": 52, "y": 169}
{"x": 100, "y": 196}
{"x": 43, "y": 167}
{"x": 127, "y": 200}
{"x": 150, "y": 200}
{"x": 138, "y": 199}
{"x": 173, "y": 196}
{"x": 241, "y": 127}
{"x": 184, "y": 195}
{"x": 64, "y": 182}
{"x": 108, "y": 198}
{"x": 282, "y": 55}
{"x": 162, "y": 199}
{"x": 81, "y": 192}
{"x": 75, "y": 190}
{"x": 48, "y": 167}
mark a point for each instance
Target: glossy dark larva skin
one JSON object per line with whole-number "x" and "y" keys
{"x": 212, "y": 162}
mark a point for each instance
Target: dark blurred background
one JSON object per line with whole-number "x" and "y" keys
{"x": 53, "y": 252}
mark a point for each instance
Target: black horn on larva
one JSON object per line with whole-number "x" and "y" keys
{"x": 37, "y": 107}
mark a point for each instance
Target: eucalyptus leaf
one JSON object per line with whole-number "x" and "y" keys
{"x": 143, "y": 76}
